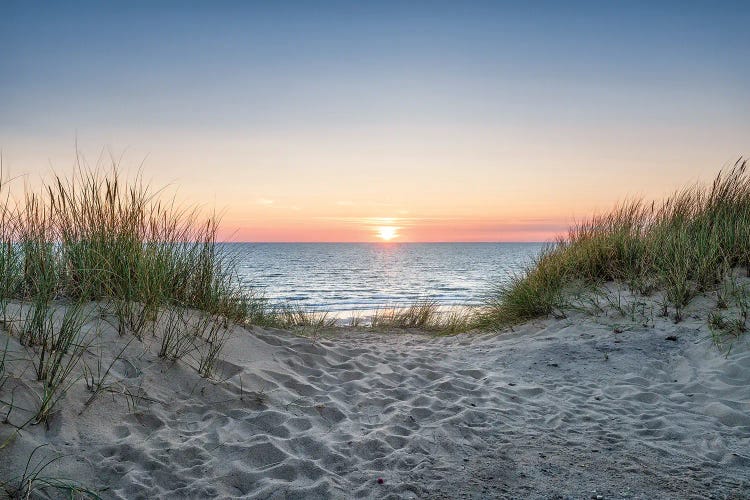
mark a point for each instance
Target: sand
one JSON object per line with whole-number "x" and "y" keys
{"x": 580, "y": 407}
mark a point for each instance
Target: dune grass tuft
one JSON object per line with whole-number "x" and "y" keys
{"x": 96, "y": 239}
{"x": 425, "y": 315}
{"x": 32, "y": 483}
{"x": 683, "y": 246}
{"x": 97, "y": 236}
{"x": 298, "y": 318}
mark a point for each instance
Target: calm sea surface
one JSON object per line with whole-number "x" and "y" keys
{"x": 340, "y": 277}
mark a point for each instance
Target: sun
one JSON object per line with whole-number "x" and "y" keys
{"x": 387, "y": 233}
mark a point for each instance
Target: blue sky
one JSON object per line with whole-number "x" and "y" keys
{"x": 260, "y": 64}
{"x": 276, "y": 97}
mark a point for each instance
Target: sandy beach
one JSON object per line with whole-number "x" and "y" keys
{"x": 587, "y": 406}
{"x": 374, "y": 250}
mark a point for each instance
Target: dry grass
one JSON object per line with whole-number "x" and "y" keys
{"x": 684, "y": 246}
{"x": 425, "y": 315}
{"x": 97, "y": 239}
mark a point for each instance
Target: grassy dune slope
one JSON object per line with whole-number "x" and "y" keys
{"x": 682, "y": 246}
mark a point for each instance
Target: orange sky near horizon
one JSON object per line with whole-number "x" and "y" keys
{"x": 523, "y": 197}
{"x": 390, "y": 229}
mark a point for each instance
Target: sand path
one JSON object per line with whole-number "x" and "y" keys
{"x": 561, "y": 408}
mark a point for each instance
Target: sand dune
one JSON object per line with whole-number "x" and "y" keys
{"x": 555, "y": 409}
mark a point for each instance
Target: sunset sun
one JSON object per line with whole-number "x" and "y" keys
{"x": 387, "y": 233}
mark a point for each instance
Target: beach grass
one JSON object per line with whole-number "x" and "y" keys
{"x": 425, "y": 315}
{"x": 33, "y": 483}
{"x": 686, "y": 245}
{"x": 295, "y": 317}
{"x": 729, "y": 319}
{"x": 96, "y": 244}
{"x": 98, "y": 237}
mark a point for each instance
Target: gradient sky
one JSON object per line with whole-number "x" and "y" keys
{"x": 321, "y": 121}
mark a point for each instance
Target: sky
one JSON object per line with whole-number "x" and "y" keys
{"x": 360, "y": 121}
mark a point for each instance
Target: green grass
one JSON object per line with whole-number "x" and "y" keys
{"x": 3, "y": 361}
{"x": 425, "y": 315}
{"x": 682, "y": 246}
{"x": 98, "y": 239}
{"x": 729, "y": 321}
{"x": 297, "y": 318}
{"x": 32, "y": 483}
{"x": 95, "y": 236}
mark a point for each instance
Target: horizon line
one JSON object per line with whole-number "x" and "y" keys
{"x": 380, "y": 242}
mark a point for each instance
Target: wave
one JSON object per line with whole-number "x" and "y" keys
{"x": 356, "y": 277}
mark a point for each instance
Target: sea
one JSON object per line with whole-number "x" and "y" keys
{"x": 343, "y": 278}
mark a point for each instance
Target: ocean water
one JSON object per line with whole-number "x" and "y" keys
{"x": 345, "y": 277}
